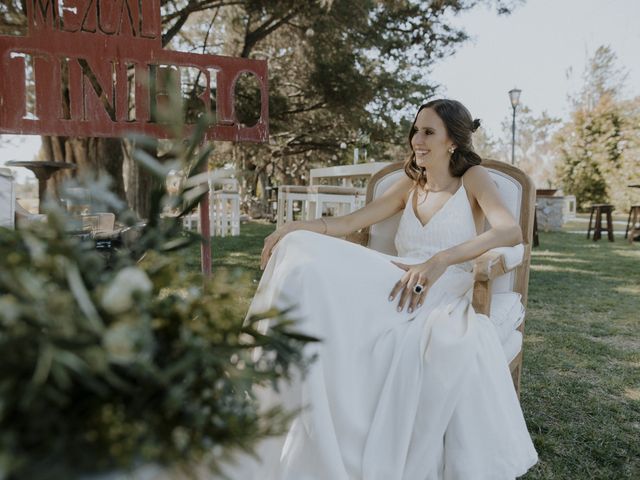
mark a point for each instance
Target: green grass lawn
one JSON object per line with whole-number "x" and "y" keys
{"x": 581, "y": 378}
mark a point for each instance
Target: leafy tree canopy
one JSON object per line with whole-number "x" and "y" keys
{"x": 340, "y": 71}
{"x": 599, "y": 146}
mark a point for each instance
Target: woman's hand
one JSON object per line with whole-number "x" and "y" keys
{"x": 270, "y": 243}
{"x": 424, "y": 274}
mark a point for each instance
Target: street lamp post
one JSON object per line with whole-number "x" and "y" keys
{"x": 514, "y": 96}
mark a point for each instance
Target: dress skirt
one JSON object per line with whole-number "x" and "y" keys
{"x": 391, "y": 395}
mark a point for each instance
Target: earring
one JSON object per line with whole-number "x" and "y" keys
{"x": 451, "y": 149}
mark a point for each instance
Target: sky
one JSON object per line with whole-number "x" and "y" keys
{"x": 531, "y": 49}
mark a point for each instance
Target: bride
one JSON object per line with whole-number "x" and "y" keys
{"x": 409, "y": 383}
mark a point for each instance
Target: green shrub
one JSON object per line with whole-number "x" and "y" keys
{"x": 109, "y": 362}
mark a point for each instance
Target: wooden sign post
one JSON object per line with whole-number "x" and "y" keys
{"x": 109, "y": 55}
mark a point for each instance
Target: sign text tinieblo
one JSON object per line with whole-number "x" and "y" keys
{"x": 97, "y": 68}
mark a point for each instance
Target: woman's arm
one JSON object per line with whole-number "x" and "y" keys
{"x": 504, "y": 231}
{"x": 390, "y": 202}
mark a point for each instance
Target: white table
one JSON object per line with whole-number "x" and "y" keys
{"x": 315, "y": 196}
{"x": 314, "y": 199}
{"x": 346, "y": 173}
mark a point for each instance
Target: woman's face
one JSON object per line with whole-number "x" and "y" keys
{"x": 430, "y": 141}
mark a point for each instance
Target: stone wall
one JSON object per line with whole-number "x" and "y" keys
{"x": 554, "y": 212}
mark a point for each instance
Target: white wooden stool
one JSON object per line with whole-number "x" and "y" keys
{"x": 191, "y": 221}
{"x": 225, "y": 207}
{"x": 226, "y": 213}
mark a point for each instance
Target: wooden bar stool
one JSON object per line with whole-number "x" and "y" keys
{"x": 598, "y": 209}
{"x": 633, "y": 223}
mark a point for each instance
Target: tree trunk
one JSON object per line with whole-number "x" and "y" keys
{"x": 138, "y": 184}
{"x": 102, "y": 155}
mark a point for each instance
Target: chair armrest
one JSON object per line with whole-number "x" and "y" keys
{"x": 490, "y": 265}
{"x": 497, "y": 261}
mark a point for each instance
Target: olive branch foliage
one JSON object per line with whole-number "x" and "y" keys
{"x": 107, "y": 362}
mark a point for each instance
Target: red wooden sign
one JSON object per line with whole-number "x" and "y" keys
{"x": 97, "y": 69}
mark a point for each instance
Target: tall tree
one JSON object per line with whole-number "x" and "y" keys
{"x": 486, "y": 146}
{"x": 340, "y": 71}
{"x": 598, "y": 147}
{"x": 535, "y": 151}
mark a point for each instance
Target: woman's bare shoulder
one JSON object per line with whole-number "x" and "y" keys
{"x": 402, "y": 187}
{"x": 476, "y": 172}
{"x": 477, "y": 178}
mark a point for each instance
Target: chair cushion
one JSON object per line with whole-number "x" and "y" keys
{"x": 513, "y": 345}
{"x": 382, "y": 234}
{"x": 507, "y": 313}
{"x": 510, "y": 192}
{"x": 513, "y": 256}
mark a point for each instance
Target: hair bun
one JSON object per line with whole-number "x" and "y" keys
{"x": 476, "y": 124}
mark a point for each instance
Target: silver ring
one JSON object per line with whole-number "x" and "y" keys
{"x": 418, "y": 288}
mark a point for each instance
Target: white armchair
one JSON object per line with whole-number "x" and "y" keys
{"x": 501, "y": 275}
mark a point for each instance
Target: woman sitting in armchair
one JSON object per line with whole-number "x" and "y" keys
{"x": 410, "y": 383}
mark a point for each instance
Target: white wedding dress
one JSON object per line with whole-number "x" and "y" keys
{"x": 391, "y": 396}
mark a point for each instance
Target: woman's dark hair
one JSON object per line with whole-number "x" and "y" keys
{"x": 460, "y": 125}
